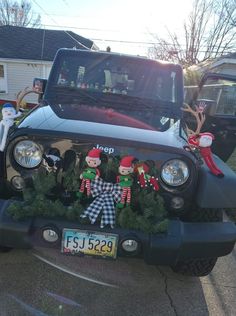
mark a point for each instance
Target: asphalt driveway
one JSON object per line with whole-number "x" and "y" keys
{"x": 44, "y": 282}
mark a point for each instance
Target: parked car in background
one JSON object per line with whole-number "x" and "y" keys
{"x": 217, "y": 92}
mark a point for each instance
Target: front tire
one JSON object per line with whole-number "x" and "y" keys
{"x": 200, "y": 266}
{"x": 203, "y": 215}
{"x": 5, "y": 249}
{"x": 195, "y": 267}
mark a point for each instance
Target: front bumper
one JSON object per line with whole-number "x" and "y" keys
{"x": 181, "y": 241}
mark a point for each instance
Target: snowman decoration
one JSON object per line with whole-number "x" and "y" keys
{"x": 9, "y": 114}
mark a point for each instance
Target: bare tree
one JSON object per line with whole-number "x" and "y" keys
{"x": 228, "y": 9}
{"x": 191, "y": 77}
{"x": 209, "y": 32}
{"x": 18, "y": 14}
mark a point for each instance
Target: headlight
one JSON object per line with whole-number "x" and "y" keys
{"x": 175, "y": 172}
{"x": 27, "y": 154}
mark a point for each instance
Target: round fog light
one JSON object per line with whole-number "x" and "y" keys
{"x": 17, "y": 183}
{"x": 177, "y": 202}
{"x": 130, "y": 245}
{"x": 50, "y": 235}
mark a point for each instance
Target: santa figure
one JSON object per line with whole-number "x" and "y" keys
{"x": 9, "y": 114}
{"x": 202, "y": 142}
{"x": 91, "y": 172}
{"x": 125, "y": 180}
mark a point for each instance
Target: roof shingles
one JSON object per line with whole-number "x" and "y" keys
{"x": 37, "y": 44}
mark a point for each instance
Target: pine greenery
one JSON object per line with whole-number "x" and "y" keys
{"x": 153, "y": 218}
{"x": 44, "y": 198}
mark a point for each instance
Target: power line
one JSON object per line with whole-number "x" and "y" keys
{"x": 91, "y": 29}
{"x": 83, "y": 28}
{"x": 63, "y": 30}
{"x": 181, "y": 47}
{"x": 147, "y": 43}
{"x": 126, "y": 42}
{"x": 106, "y": 40}
{"x": 109, "y": 40}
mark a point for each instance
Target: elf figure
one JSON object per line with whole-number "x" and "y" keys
{"x": 91, "y": 172}
{"x": 125, "y": 180}
{"x": 203, "y": 141}
{"x": 143, "y": 177}
{"x": 8, "y": 116}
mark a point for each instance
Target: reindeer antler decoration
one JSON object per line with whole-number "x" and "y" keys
{"x": 201, "y": 141}
{"x": 21, "y": 94}
{"x": 200, "y": 118}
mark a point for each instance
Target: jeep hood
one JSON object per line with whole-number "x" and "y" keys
{"x": 45, "y": 119}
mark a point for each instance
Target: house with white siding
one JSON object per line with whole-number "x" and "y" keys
{"x": 225, "y": 64}
{"x": 28, "y": 53}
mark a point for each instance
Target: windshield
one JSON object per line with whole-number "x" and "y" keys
{"x": 118, "y": 75}
{"x": 114, "y": 89}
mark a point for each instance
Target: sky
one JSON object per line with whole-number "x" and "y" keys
{"x": 127, "y": 26}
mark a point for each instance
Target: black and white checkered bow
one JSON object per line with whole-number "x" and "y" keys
{"x": 106, "y": 194}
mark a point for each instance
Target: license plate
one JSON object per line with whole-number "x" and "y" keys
{"x": 75, "y": 241}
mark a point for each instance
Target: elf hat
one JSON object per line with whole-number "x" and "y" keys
{"x": 127, "y": 161}
{"x": 94, "y": 153}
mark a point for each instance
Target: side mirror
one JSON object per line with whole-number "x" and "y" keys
{"x": 39, "y": 85}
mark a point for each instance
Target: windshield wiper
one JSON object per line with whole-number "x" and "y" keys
{"x": 73, "y": 95}
{"x": 70, "y": 94}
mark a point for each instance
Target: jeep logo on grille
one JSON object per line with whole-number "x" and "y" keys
{"x": 107, "y": 150}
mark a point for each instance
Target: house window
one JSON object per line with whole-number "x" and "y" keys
{"x": 3, "y": 79}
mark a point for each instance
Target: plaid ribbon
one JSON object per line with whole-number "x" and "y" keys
{"x": 106, "y": 194}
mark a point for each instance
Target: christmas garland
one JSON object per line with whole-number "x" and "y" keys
{"x": 59, "y": 195}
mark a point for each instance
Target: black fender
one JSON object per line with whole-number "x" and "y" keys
{"x": 214, "y": 192}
